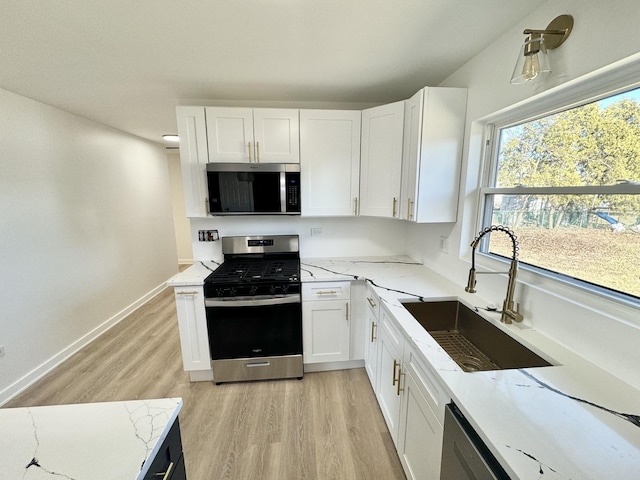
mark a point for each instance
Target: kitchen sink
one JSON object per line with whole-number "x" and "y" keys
{"x": 470, "y": 340}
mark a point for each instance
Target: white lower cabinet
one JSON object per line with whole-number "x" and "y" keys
{"x": 420, "y": 438}
{"x": 192, "y": 323}
{"x": 390, "y": 346}
{"x": 409, "y": 394}
{"x": 325, "y": 322}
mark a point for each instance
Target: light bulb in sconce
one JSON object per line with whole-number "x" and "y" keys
{"x": 533, "y": 60}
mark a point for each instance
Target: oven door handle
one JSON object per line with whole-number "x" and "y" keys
{"x": 252, "y": 302}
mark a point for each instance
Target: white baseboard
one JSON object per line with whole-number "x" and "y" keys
{"x": 185, "y": 261}
{"x": 328, "y": 366}
{"x": 41, "y": 370}
{"x": 201, "y": 376}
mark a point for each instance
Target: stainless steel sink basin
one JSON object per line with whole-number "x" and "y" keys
{"x": 471, "y": 341}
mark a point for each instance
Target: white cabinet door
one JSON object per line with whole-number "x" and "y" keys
{"x": 434, "y": 135}
{"x": 276, "y": 135}
{"x": 230, "y": 134}
{"x": 253, "y": 135}
{"x": 410, "y": 153}
{"x": 389, "y": 378}
{"x": 192, "y": 131}
{"x": 192, "y": 323}
{"x": 420, "y": 438}
{"x": 330, "y": 162}
{"x": 381, "y": 162}
{"x": 371, "y": 338}
{"x": 326, "y": 321}
{"x": 325, "y": 331}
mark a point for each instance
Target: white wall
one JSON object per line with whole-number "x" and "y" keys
{"x": 341, "y": 237}
{"x": 86, "y": 232}
{"x": 180, "y": 220}
{"x": 604, "y": 32}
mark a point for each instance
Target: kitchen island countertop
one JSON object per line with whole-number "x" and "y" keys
{"x": 89, "y": 441}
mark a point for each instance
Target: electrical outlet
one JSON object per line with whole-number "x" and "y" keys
{"x": 444, "y": 244}
{"x": 316, "y": 232}
{"x": 2, "y": 352}
{"x": 208, "y": 235}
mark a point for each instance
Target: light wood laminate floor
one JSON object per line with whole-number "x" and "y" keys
{"x": 326, "y": 426}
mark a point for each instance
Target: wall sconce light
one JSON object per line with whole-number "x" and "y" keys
{"x": 533, "y": 60}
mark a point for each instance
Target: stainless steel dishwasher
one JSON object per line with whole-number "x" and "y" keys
{"x": 464, "y": 454}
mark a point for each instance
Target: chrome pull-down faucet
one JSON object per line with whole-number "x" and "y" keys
{"x": 508, "y": 312}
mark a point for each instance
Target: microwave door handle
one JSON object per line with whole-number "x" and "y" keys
{"x": 252, "y": 302}
{"x": 283, "y": 192}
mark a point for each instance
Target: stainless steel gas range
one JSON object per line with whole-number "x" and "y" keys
{"x": 254, "y": 310}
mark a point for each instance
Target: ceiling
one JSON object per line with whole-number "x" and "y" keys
{"x": 128, "y": 63}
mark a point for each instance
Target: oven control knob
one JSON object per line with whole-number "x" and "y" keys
{"x": 253, "y": 290}
{"x": 285, "y": 288}
{"x": 219, "y": 292}
{"x": 232, "y": 292}
{"x": 272, "y": 289}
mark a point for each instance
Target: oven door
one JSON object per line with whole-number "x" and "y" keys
{"x": 255, "y": 338}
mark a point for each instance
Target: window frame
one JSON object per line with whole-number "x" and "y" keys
{"x": 617, "y": 78}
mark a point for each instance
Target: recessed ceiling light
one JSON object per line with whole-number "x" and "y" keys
{"x": 171, "y": 137}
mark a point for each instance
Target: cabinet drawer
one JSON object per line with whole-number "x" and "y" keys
{"x": 314, "y": 291}
{"x": 393, "y": 330}
{"x": 427, "y": 381}
{"x": 373, "y": 302}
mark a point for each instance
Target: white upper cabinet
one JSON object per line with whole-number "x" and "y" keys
{"x": 277, "y": 135}
{"x": 253, "y": 135}
{"x": 230, "y": 134}
{"x": 192, "y": 131}
{"x": 330, "y": 162}
{"x": 433, "y": 138}
{"x": 381, "y": 162}
{"x": 410, "y": 152}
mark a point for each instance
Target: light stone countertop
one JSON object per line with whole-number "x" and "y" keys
{"x": 194, "y": 275}
{"x": 570, "y": 421}
{"x": 89, "y": 441}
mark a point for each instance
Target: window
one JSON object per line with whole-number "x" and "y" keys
{"x": 568, "y": 185}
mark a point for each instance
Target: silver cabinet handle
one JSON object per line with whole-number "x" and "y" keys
{"x": 373, "y": 328}
{"x": 395, "y": 204}
{"x": 249, "y": 145}
{"x": 355, "y": 206}
{"x": 257, "y": 152}
{"x": 347, "y": 312}
{"x": 187, "y": 293}
{"x": 371, "y": 302}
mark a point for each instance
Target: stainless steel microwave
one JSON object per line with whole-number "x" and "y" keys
{"x": 254, "y": 188}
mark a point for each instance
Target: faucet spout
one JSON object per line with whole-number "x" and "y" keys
{"x": 509, "y": 314}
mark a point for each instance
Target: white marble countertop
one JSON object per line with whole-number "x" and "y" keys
{"x": 194, "y": 275}
{"x": 90, "y": 441}
{"x": 570, "y": 421}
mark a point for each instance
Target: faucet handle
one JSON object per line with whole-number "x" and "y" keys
{"x": 518, "y": 316}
